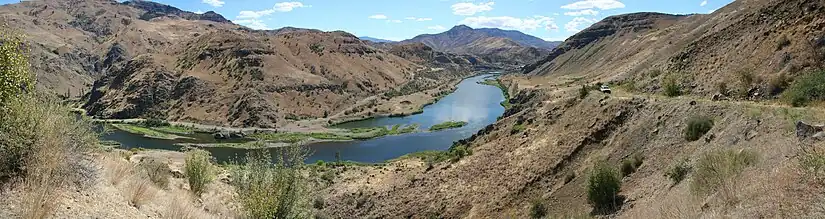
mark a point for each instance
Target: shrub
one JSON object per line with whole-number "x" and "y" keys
{"x": 14, "y": 74}
{"x": 42, "y": 144}
{"x": 719, "y": 171}
{"x": 671, "y": 87}
{"x": 627, "y": 167}
{"x": 630, "y": 165}
{"x": 157, "y": 171}
{"x": 678, "y": 171}
{"x": 782, "y": 42}
{"x": 603, "y": 187}
{"x": 538, "y": 209}
{"x": 697, "y": 126}
{"x": 583, "y": 92}
{"x": 268, "y": 190}
{"x": 722, "y": 88}
{"x": 198, "y": 170}
{"x": 805, "y": 89}
{"x": 778, "y": 84}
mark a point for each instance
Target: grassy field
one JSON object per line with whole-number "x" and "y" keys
{"x": 497, "y": 83}
{"x": 448, "y": 125}
{"x": 147, "y": 132}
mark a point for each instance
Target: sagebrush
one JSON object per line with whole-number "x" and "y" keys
{"x": 198, "y": 170}
{"x": 603, "y": 187}
{"x": 273, "y": 190}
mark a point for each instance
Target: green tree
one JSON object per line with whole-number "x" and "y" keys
{"x": 14, "y": 66}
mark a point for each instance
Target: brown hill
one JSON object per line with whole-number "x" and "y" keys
{"x": 153, "y": 60}
{"x": 762, "y": 39}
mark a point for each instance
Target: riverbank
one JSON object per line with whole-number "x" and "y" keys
{"x": 504, "y": 90}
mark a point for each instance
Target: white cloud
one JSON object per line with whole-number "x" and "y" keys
{"x": 379, "y": 17}
{"x": 468, "y": 8}
{"x": 600, "y": 4}
{"x": 705, "y": 2}
{"x": 214, "y": 3}
{"x": 252, "y": 19}
{"x": 576, "y": 23}
{"x": 288, "y": 6}
{"x": 254, "y": 14}
{"x": 419, "y": 18}
{"x": 506, "y": 22}
{"x": 199, "y": 12}
{"x": 252, "y": 23}
{"x": 585, "y": 12}
{"x": 554, "y": 39}
{"x": 394, "y": 21}
{"x": 437, "y": 27}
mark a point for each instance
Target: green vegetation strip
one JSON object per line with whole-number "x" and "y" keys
{"x": 497, "y": 83}
{"x": 348, "y": 135}
{"x": 175, "y": 129}
{"x": 448, "y": 125}
{"x": 147, "y": 132}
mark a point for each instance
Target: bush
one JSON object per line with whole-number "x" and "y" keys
{"x": 719, "y": 171}
{"x": 268, "y": 190}
{"x": 627, "y": 167}
{"x": 782, "y": 42}
{"x": 805, "y": 89}
{"x": 678, "y": 171}
{"x": 603, "y": 187}
{"x": 157, "y": 171}
{"x": 42, "y": 144}
{"x": 722, "y": 88}
{"x": 697, "y": 126}
{"x": 198, "y": 170}
{"x": 778, "y": 84}
{"x": 583, "y": 92}
{"x": 14, "y": 74}
{"x": 538, "y": 209}
{"x": 671, "y": 87}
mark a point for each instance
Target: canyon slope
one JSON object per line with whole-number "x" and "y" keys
{"x": 539, "y": 156}
{"x": 140, "y": 59}
{"x": 493, "y": 45}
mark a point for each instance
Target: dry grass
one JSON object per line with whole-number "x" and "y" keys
{"x": 139, "y": 191}
{"x": 719, "y": 172}
{"x": 182, "y": 208}
{"x": 117, "y": 169}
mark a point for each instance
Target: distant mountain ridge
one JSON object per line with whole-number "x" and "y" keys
{"x": 376, "y": 40}
{"x": 510, "y": 47}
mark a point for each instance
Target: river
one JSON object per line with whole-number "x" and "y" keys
{"x": 477, "y": 104}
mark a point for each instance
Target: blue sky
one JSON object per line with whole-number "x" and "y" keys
{"x": 403, "y": 19}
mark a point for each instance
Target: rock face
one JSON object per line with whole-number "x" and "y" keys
{"x": 154, "y": 10}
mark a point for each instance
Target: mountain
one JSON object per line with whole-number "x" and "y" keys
{"x": 376, "y": 40}
{"x": 141, "y": 59}
{"x": 465, "y": 40}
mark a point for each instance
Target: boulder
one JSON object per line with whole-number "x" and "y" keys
{"x": 806, "y": 132}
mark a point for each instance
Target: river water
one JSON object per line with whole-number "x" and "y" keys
{"x": 477, "y": 104}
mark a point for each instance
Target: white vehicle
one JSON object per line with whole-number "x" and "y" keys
{"x": 604, "y": 89}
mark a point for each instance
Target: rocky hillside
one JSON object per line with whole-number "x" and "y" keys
{"x": 145, "y": 59}
{"x": 765, "y": 40}
{"x": 753, "y": 161}
{"x": 465, "y": 40}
